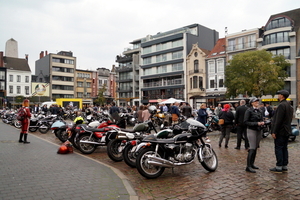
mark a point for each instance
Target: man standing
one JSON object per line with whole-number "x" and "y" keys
{"x": 241, "y": 129}
{"x": 281, "y": 128}
{"x": 186, "y": 110}
{"x": 175, "y": 113}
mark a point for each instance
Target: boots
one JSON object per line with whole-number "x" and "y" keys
{"x": 21, "y": 136}
{"x": 253, "y": 159}
{"x": 250, "y": 161}
{"x": 25, "y": 139}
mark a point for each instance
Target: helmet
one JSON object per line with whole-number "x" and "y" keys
{"x": 78, "y": 120}
{"x": 152, "y": 109}
{"x": 63, "y": 149}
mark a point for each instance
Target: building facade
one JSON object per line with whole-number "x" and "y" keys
{"x": 281, "y": 35}
{"x": 163, "y": 61}
{"x": 60, "y": 68}
{"x": 84, "y": 85}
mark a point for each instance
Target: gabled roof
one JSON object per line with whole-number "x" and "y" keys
{"x": 293, "y": 14}
{"x": 219, "y": 49}
{"x": 16, "y": 64}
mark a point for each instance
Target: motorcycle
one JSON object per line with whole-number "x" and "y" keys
{"x": 35, "y": 122}
{"x": 212, "y": 123}
{"x": 119, "y": 139}
{"x": 46, "y": 123}
{"x": 59, "y": 128}
{"x": 154, "y": 154}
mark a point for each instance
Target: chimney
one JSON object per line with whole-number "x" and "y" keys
{"x": 46, "y": 53}
{"x": 1, "y": 59}
{"x": 26, "y": 57}
{"x": 41, "y": 54}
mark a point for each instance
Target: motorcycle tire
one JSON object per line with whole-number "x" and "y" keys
{"x": 209, "y": 158}
{"x": 86, "y": 148}
{"x": 115, "y": 149}
{"x": 17, "y": 124}
{"x": 74, "y": 140}
{"x": 292, "y": 138}
{"x": 129, "y": 156}
{"x": 145, "y": 169}
{"x": 44, "y": 129}
{"x": 62, "y": 135}
{"x": 33, "y": 129}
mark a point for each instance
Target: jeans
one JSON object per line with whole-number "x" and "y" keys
{"x": 281, "y": 151}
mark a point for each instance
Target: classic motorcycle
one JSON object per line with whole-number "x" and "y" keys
{"x": 154, "y": 154}
{"x": 212, "y": 123}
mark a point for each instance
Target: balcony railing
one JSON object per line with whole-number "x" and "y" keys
{"x": 164, "y": 83}
{"x": 166, "y": 96}
{"x": 196, "y": 71}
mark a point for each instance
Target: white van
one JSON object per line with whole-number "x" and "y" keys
{"x": 48, "y": 103}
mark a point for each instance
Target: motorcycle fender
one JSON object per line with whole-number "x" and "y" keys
{"x": 142, "y": 145}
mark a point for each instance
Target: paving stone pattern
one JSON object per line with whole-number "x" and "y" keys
{"x": 230, "y": 181}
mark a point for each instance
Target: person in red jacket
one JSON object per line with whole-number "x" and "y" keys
{"x": 25, "y": 122}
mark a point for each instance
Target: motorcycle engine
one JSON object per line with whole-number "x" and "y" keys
{"x": 184, "y": 153}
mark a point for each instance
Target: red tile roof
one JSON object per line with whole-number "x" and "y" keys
{"x": 220, "y": 47}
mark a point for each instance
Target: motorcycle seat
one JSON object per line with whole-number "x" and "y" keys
{"x": 128, "y": 130}
{"x": 96, "y": 129}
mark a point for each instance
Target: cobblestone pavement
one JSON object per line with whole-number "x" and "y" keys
{"x": 229, "y": 181}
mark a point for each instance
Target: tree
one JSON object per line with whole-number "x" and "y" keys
{"x": 101, "y": 99}
{"x": 255, "y": 73}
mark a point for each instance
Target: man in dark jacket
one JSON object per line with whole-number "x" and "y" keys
{"x": 241, "y": 128}
{"x": 281, "y": 128}
{"x": 186, "y": 110}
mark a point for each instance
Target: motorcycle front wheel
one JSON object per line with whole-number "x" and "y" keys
{"x": 129, "y": 155}
{"x": 145, "y": 169}
{"x": 44, "y": 129}
{"x": 62, "y": 135}
{"x": 115, "y": 149}
{"x": 17, "y": 124}
{"x": 208, "y": 158}
{"x": 86, "y": 148}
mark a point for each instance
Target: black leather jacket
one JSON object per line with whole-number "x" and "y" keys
{"x": 252, "y": 117}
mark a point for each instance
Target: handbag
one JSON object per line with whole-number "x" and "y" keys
{"x": 221, "y": 121}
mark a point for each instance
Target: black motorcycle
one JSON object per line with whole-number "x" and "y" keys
{"x": 154, "y": 154}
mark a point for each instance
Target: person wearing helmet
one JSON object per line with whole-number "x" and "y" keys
{"x": 25, "y": 122}
{"x": 254, "y": 120}
{"x": 281, "y": 129}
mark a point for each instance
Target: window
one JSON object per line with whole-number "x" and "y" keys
{"x": 2, "y": 75}
{"x": 278, "y": 23}
{"x": 191, "y": 83}
{"x": 11, "y": 78}
{"x": 177, "y": 43}
{"x": 148, "y": 71}
{"x": 200, "y": 82}
{"x": 158, "y": 47}
{"x": 2, "y": 85}
{"x": 240, "y": 44}
{"x": 27, "y": 90}
{"x": 100, "y": 82}
{"x": 79, "y": 94}
{"x": 79, "y": 84}
{"x": 211, "y": 66}
{"x": 18, "y": 78}
{"x": 276, "y": 38}
{"x": 18, "y": 89}
{"x": 27, "y": 79}
{"x": 212, "y": 83}
{"x": 158, "y": 58}
{"x": 231, "y": 45}
{"x": 161, "y": 69}
{"x": 195, "y": 82}
{"x": 251, "y": 41}
{"x": 11, "y": 89}
{"x": 147, "y": 60}
{"x": 177, "y": 67}
{"x": 164, "y": 57}
{"x": 196, "y": 66}
{"x": 285, "y": 52}
{"x": 147, "y": 50}
{"x": 220, "y": 65}
{"x": 221, "y": 81}
{"x": 177, "y": 55}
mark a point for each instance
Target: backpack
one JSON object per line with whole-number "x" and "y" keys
{"x": 21, "y": 114}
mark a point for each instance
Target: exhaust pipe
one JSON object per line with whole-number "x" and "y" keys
{"x": 153, "y": 160}
{"x": 89, "y": 142}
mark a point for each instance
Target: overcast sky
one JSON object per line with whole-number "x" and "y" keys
{"x": 97, "y": 30}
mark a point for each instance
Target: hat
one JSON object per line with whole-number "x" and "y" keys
{"x": 226, "y": 106}
{"x": 253, "y": 100}
{"x": 285, "y": 93}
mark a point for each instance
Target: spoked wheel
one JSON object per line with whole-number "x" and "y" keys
{"x": 86, "y": 148}
{"x": 208, "y": 158}
{"x": 145, "y": 169}
{"x": 17, "y": 124}
{"x": 44, "y": 129}
{"x": 129, "y": 155}
{"x": 62, "y": 135}
{"x": 115, "y": 149}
